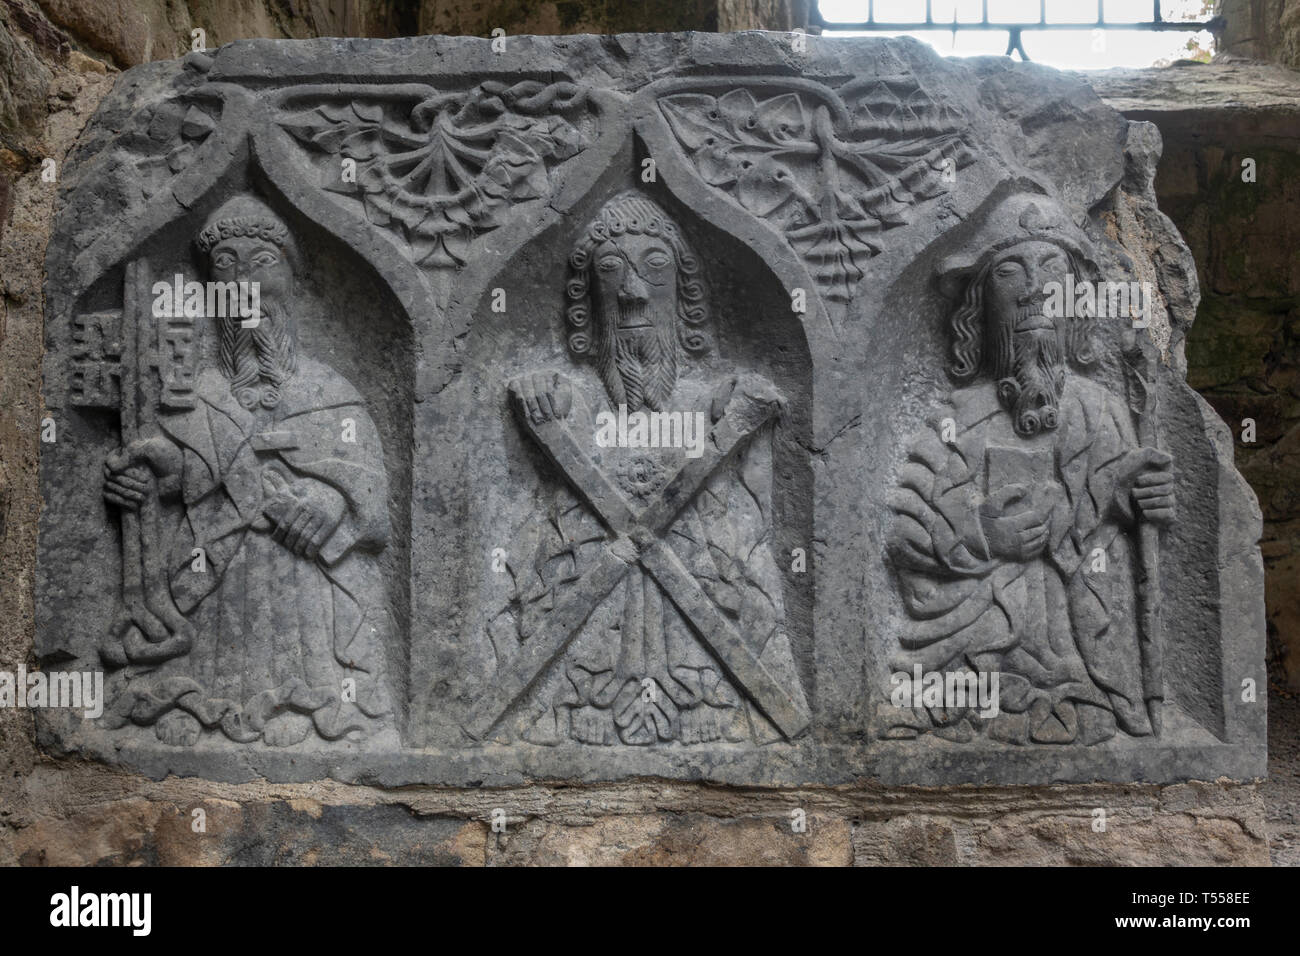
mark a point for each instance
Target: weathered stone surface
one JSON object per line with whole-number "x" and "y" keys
{"x": 131, "y": 32}
{"x": 1184, "y": 825}
{"x": 671, "y": 839}
{"x": 586, "y": 16}
{"x": 139, "y": 832}
{"x": 1261, "y": 30}
{"x": 1262, "y": 91}
{"x": 86, "y": 816}
{"x": 1228, "y": 177}
{"x": 419, "y": 564}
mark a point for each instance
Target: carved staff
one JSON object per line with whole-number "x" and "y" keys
{"x": 137, "y": 618}
{"x": 153, "y": 629}
{"x": 1140, "y": 373}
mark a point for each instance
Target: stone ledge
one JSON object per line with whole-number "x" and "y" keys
{"x": 1204, "y": 87}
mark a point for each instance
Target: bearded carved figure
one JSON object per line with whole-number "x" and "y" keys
{"x": 1015, "y": 531}
{"x": 276, "y": 475}
{"x": 642, "y": 636}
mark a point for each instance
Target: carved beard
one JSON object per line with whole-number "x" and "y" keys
{"x": 263, "y": 355}
{"x": 1030, "y": 372}
{"x": 638, "y": 365}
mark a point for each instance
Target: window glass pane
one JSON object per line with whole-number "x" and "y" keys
{"x": 1071, "y": 11}
{"x": 1087, "y": 48}
{"x": 1013, "y": 11}
{"x": 965, "y": 43}
{"x": 1187, "y": 9}
{"x": 1130, "y": 11}
{"x": 968, "y": 11}
{"x": 1101, "y": 49}
{"x": 900, "y": 11}
{"x": 1065, "y": 49}
{"x": 843, "y": 11}
{"x": 1017, "y": 11}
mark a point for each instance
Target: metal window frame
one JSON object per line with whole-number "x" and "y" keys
{"x": 1157, "y": 23}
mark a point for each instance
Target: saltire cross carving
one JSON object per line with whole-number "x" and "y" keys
{"x": 638, "y": 541}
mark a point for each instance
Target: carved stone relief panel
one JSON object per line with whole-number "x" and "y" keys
{"x": 426, "y": 415}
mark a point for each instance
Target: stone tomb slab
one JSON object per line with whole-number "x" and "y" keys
{"x": 691, "y": 406}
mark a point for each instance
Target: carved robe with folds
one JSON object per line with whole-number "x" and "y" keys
{"x": 1061, "y": 628}
{"x": 274, "y": 630}
{"x": 636, "y": 673}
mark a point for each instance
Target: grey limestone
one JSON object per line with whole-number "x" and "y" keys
{"x": 635, "y": 406}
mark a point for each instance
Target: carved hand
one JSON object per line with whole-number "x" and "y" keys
{"x": 127, "y": 471}
{"x": 542, "y": 396}
{"x": 751, "y": 396}
{"x": 1015, "y": 527}
{"x": 305, "y": 512}
{"x": 1145, "y": 476}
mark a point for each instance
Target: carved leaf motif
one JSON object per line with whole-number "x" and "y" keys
{"x": 453, "y": 165}
{"x": 782, "y": 119}
{"x": 694, "y": 118}
{"x": 832, "y": 192}
{"x": 336, "y": 130}
{"x": 732, "y": 134}
{"x": 765, "y": 185}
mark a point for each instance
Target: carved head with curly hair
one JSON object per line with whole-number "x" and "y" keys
{"x": 1000, "y": 326}
{"x": 245, "y": 241}
{"x": 637, "y": 301}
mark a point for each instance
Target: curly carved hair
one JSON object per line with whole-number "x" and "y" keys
{"x": 631, "y": 213}
{"x": 260, "y": 227}
{"x": 968, "y": 325}
{"x": 246, "y": 216}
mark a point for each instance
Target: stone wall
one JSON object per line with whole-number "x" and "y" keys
{"x": 128, "y": 32}
{"x": 1267, "y": 30}
{"x": 125, "y": 33}
{"x": 80, "y": 817}
{"x": 566, "y": 16}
